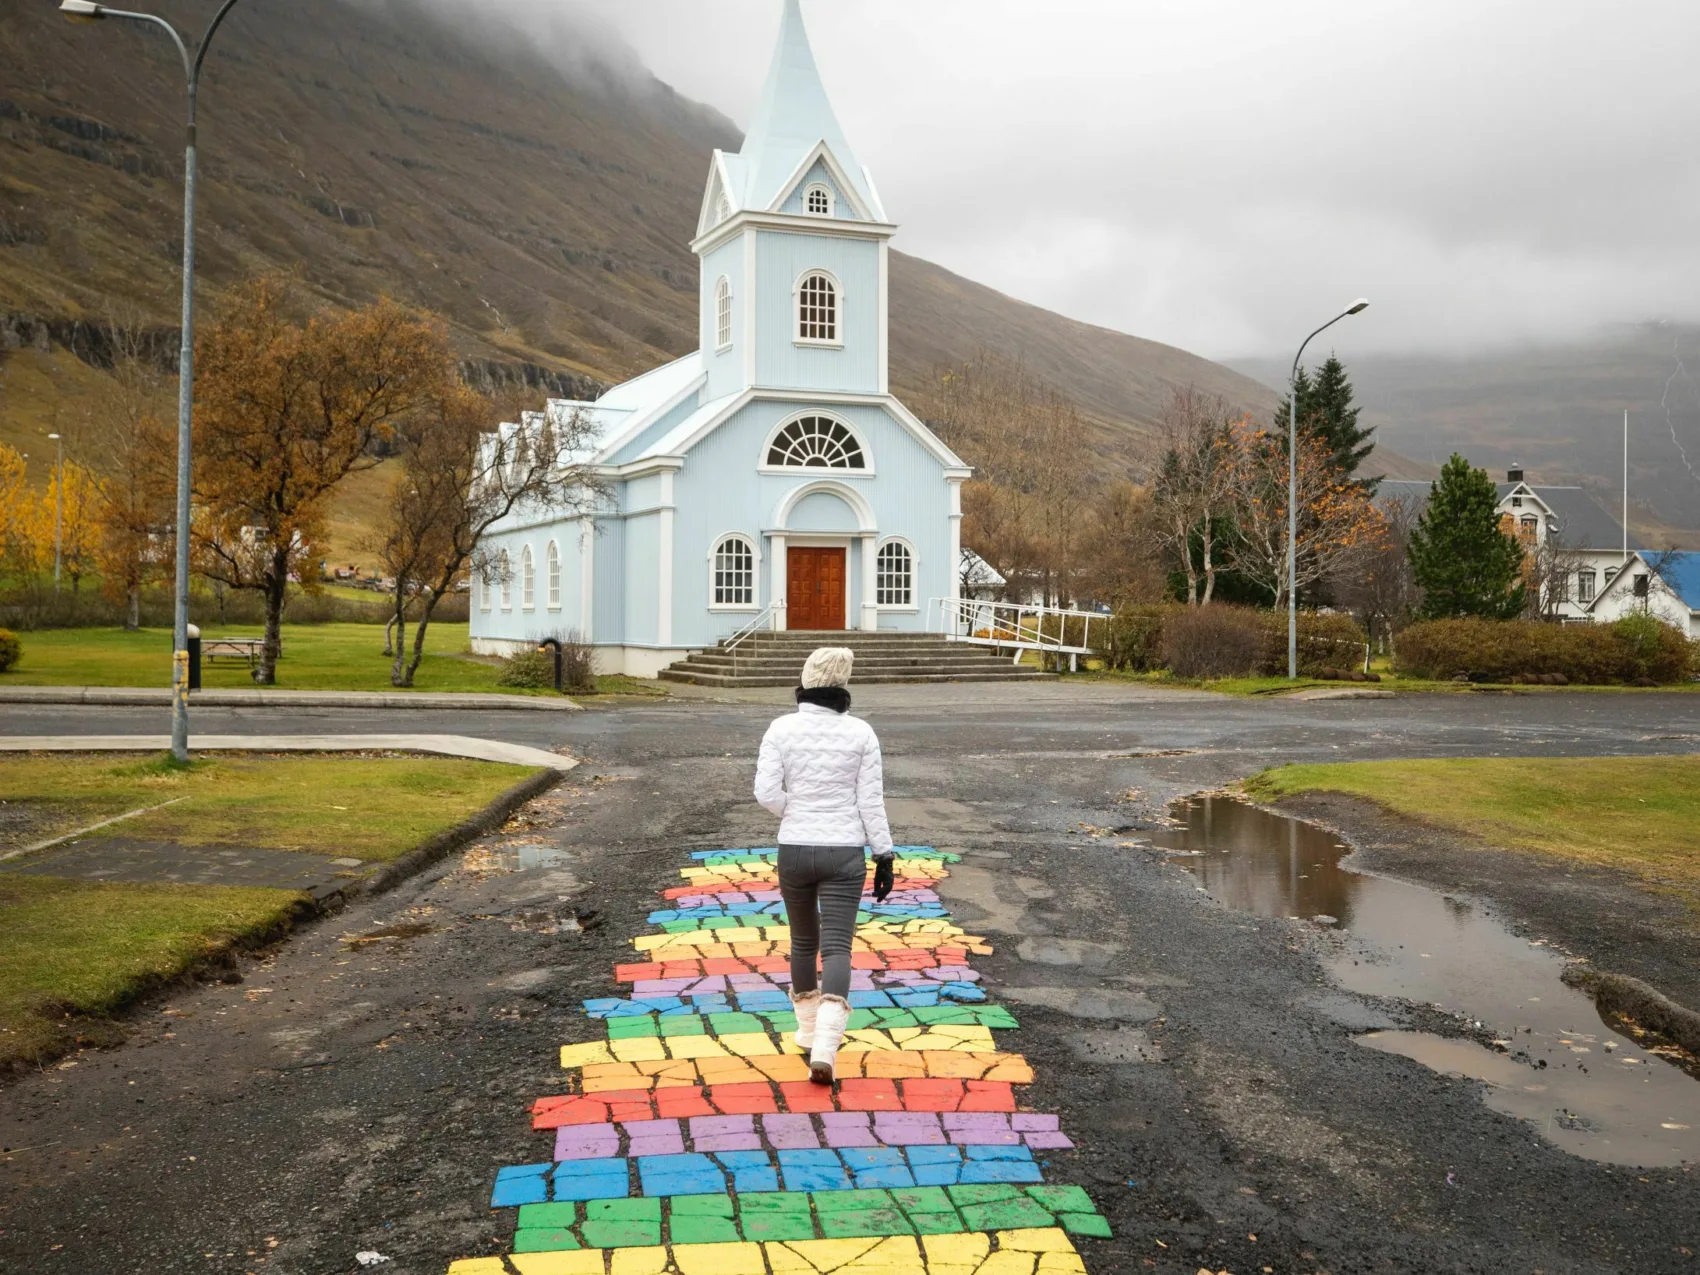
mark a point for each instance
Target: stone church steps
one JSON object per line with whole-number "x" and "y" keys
{"x": 777, "y": 660}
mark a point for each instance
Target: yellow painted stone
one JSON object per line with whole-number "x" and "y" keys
{"x": 899, "y": 1255}
{"x": 649, "y": 942}
{"x": 595, "y": 1051}
{"x": 1061, "y": 1264}
{"x": 1008, "y": 1263}
{"x": 587, "y": 1261}
{"x": 968, "y": 1249}
{"x": 829, "y": 1255}
{"x": 1036, "y": 1239}
{"x": 478, "y": 1266}
{"x": 749, "y": 1044}
{"x": 695, "y": 1047}
{"x": 719, "y": 1259}
{"x": 782, "y": 1261}
{"x": 638, "y": 1049}
{"x": 638, "y": 1261}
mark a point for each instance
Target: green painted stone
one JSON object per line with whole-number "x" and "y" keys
{"x": 1085, "y": 1224}
{"x": 781, "y": 1020}
{"x": 982, "y": 1193}
{"x": 622, "y": 1234}
{"x": 995, "y": 1016}
{"x": 632, "y": 1210}
{"x": 843, "y": 1223}
{"x": 847, "y": 1201}
{"x": 936, "y": 1223}
{"x": 701, "y": 1205}
{"x": 1063, "y": 1199}
{"x": 735, "y": 1024}
{"x": 1003, "y": 1215}
{"x": 683, "y": 1025}
{"x": 773, "y": 1202}
{"x": 923, "y": 1199}
{"x": 691, "y": 1228}
{"x": 777, "y": 1225}
{"x": 548, "y": 1216}
{"x": 627, "y": 1028}
{"x": 539, "y": 1239}
{"x": 722, "y": 923}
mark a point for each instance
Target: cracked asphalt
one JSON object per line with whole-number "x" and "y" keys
{"x": 358, "y": 1089}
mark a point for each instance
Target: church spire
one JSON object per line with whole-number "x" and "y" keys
{"x": 794, "y": 118}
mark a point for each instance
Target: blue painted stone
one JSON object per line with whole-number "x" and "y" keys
{"x": 813, "y": 1171}
{"x": 1000, "y": 1171}
{"x": 999, "y": 1153}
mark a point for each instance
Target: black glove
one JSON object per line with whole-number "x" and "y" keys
{"x": 885, "y": 876}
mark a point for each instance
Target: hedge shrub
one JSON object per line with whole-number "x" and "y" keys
{"x": 1636, "y": 649}
{"x": 1213, "y": 641}
{"x": 1142, "y": 639}
{"x": 1327, "y": 640}
{"x": 10, "y": 649}
{"x": 529, "y": 670}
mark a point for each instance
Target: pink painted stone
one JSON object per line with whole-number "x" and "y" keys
{"x": 792, "y": 1132}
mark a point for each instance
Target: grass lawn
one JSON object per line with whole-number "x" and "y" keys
{"x": 316, "y": 657}
{"x": 360, "y": 807}
{"x": 87, "y": 948}
{"x": 1637, "y": 813}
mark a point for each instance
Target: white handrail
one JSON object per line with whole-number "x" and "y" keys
{"x": 1020, "y": 625}
{"x": 765, "y": 616}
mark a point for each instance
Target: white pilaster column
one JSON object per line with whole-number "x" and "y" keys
{"x": 664, "y": 563}
{"x": 885, "y": 317}
{"x": 587, "y": 578}
{"x": 955, "y": 564}
{"x": 776, "y": 546}
{"x": 870, "y": 584}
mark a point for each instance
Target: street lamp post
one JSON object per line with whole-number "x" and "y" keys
{"x": 84, "y": 10}
{"x": 1293, "y": 490}
{"x": 58, "y": 510}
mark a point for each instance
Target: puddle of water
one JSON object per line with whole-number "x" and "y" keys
{"x": 514, "y": 856}
{"x": 1586, "y": 1088}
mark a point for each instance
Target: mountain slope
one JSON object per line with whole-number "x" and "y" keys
{"x": 542, "y": 208}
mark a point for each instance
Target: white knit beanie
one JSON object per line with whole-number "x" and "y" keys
{"x": 828, "y": 666}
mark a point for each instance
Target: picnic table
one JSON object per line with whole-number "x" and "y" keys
{"x": 235, "y": 647}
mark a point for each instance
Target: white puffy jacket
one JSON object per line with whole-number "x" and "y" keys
{"x": 820, "y": 772}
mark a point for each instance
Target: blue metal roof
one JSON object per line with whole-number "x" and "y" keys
{"x": 1682, "y": 572}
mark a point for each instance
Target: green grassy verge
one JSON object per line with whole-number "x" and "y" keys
{"x": 80, "y": 949}
{"x": 1637, "y": 813}
{"x": 373, "y": 808}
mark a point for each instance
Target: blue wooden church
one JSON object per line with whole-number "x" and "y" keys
{"x": 770, "y": 477}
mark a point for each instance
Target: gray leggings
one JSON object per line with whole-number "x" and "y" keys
{"x": 822, "y": 886}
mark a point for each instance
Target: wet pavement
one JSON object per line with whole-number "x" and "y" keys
{"x": 361, "y": 1089}
{"x": 132, "y": 859}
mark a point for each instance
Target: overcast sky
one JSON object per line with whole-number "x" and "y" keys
{"x": 1224, "y": 174}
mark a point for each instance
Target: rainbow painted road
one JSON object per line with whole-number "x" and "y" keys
{"x": 690, "y": 1141}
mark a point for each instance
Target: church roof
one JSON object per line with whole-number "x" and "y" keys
{"x": 794, "y": 119}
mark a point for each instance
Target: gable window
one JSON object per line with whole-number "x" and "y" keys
{"x": 553, "y": 562}
{"x": 1584, "y": 586}
{"x": 527, "y": 579}
{"x": 817, "y": 309}
{"x": 722, "y": 208}
{"x": 734, "y": 573}
{"x": 894, "y": 575}
{"x": 816, "y": 442}
{"x": 482, "y": 581}
{"x": 723, "y": 313}
{"x": 818, "y": 200}
{"x": 504, "y": 573}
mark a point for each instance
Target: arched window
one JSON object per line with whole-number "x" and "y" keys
{"x": 894, "y": 575}
{"x": 734, "y": 573}
{"x": 504, "y": 573}
{"x": 552, "y": 560}
{"x": 818, "y": 200}
{"x": 816, "y": 442}
{"x": 817, "y": 309}
{"x": 723, "y": 313}
{"x": 722, "y": 208}
{"x": 481, "y": 582}
{"x": 527, "y": 579}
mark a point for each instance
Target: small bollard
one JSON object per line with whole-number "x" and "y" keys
{"x": 554, "y": 648}
{"x": 194, "y": 657}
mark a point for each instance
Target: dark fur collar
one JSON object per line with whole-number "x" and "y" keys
{"x": 837, "y": 698}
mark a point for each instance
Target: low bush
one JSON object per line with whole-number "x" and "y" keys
{"x": 1637, "y": 649}
{"x": 578, "y": 666}
{"x": 1326, "y": 640}
{"x": 529, "y": 670}
{"x": 10, "y": 649}
{"x": 1213, "y": 641}
{"x": 1131, "y": 639}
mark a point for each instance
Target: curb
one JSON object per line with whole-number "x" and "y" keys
{"x": 439, "y": 847}
{"x": 1646, "y": 1004}
{"x": 150, "y": 697}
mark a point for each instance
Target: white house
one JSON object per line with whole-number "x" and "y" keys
{"x": 769, "y": 478}
{"x": 1669, "y": 590}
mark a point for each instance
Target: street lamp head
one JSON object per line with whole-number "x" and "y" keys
{"x": 53, "y": 437}
{"x": 81, "y": 10}
{"x": 1358, "y": 306}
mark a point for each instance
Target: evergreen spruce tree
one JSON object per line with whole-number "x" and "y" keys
{"x": 1327, "y": 411}
{"x": 1461, "y": 559}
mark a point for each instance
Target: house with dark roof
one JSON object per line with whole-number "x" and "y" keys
{"x": 1666, "y": 585}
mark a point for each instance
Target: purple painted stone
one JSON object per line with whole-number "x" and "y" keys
{"x": 1034, "y": 1122}
{"x": 713, "y": 983}
{"x": 976, "y": 1120}
{"x": 790, "y": 1132}
{"x": 662, "y": 1144}
{"x": 1041, "y": 1140}
{"x": 749, "y": 983}
{"x": 908, "y": 1129}
{"x": 765, "y": 896}
{"x": 727, "y": 1142}
{"x": 587, "y": 1142}
{"x": 844, "y": 1119}
{"x": 850, "y": 1136}
{"x": 710, "y": 1126}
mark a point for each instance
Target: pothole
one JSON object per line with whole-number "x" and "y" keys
{"x": 1554, "y": 1062}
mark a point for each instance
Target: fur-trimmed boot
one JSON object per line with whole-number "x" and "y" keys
{"x": 805, "y": 1007}
{"x": 830, "y": 1022}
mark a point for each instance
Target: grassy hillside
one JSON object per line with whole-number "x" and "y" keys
{"x": 544, "y": 211}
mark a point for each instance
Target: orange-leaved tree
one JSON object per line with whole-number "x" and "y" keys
{"x": 66, "y": 521}
{"x": 137, "y": 459}
{"x": 285, "y": 411}
{"x": 1338, "y": 523}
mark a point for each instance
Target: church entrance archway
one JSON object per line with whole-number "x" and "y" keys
{"x": 815, "y": 588}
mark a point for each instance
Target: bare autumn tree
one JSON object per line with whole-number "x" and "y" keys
{"x": 1194, "y": 487}
{"x": 1119, "y": 563}
{"x": 1024, "y": 509}
{"x": 135, "y": 453}
{"x": 1549, "y": 567}
{"x": 1339, "y": 525}
{"x": 1380, "y": 588}
{"x": 285, "y": 412}
{"x": 460, "y": 477}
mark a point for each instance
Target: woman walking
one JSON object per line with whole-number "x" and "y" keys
{"x": 819, "y": 771}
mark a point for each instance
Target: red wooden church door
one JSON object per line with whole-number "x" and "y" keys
{"x": 814, "y": 589}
